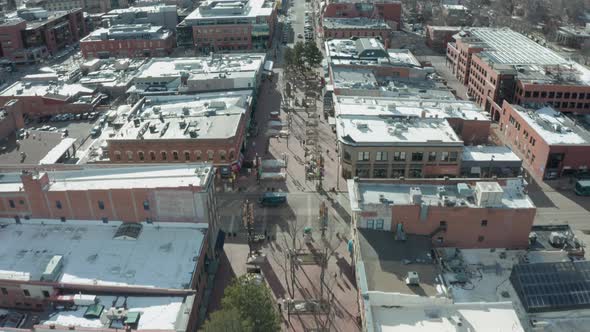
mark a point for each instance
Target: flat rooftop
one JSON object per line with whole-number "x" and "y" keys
{"x": 97, "y": 178}
{"x": 92, "y": 255}
{"x": 143, "y": 9}
{"x": 354, "y": 23}
{"x": 48, "y": 85}
{"x": 396, "y": 193}
{"x": 505, "y": 46}
{"x": 554, "y": 127}
{"x": 156, "y": 312}
{"x": 571, "y": 73}
{"x": 437, "y": 318}
{"x": 387, "y": 262}
{"x": 129, "y": 32}
{"x": 229, "y": 9}
{"x": 348, "y": 48}
{"x": 414, "y": 107}
{"x": 206, "y": 115}
{"x": 173, "y": 67}
{"x": 359, "y": 130}
{"x": 487, "y": 153}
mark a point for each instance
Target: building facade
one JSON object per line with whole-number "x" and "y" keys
{"x": 550, "y": 144}
{"x": 388, "y": 11}
{"x": 437, "y": 37}
{"x": 336, "y": 28}
{"x": 196, "y": 128}
{"x": 30, "y": 35}
{"x": 128, "y": 41}
{"x": 453, "y": 213}
{"x": 220, "y": 26}
{"x": 485, "y": 61}
{"x": 90, "y": 6}
{"x": 161, "y": 15}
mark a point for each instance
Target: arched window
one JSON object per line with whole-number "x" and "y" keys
{"x": 232, "y": 154}
{"x": 140, "y": 155}
{"x": 129, "y": 155}
{"x": 222, "y": 154}
{"x": 175, "y": 155}
{"x": 164, "y": 155}
{"x": 198, "y": 155}
{"x": 152, "y": 156}
{"x": 210, "y": 155}
{"x": 187, "y": 156}
{"x": 117, "y": 155}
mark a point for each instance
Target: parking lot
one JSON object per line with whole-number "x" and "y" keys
{"x": 78, "y": 126}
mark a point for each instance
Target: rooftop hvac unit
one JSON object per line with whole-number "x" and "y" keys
{"x": 416, "y": 195}
{"x": 557, "y": 239}
{"x": 53, "y": 268}
{"x": 488, "y": 194}
{"x": 412, "y": 279}
{"x": 441, "y": 191}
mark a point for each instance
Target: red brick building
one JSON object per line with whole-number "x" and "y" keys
{"x": 226, "y": 26}
{"x": 206, "y": 127}
{"x": 46, "y": 94}
{"x": 500, "y": 64}
{"x": 336, "y": 28}
{"x": 11, "y": 117}
{"x": 128, "y": 41}
{"x": 388, "y": 11}
{"x": 437, "y": 37}
{"x": 33, "y": 34}
{"x": 550, "y": 143}
{"x": 453, "y": 213}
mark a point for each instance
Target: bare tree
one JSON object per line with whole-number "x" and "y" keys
{"x": 287, "y": 259}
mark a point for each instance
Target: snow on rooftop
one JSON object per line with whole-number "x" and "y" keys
{"x": 130, "y": 177}
{"x": 92, "y": 256}
{"x": 485, "y": 153}
{"x": 157, "y": 67}
{"x": 479, "y": 317}
{"x": 54, "y": 154}
{"x": 352, "y": 105}
{"x": 210, "y": 115}
{"x": 399, "y": 194}
{"x": 374, "y": 130}
{"x": 156, "y": 313}
{"x": 45, "y": 88}
{"x": 230, "y": 9}
{"x": 554, "y": 127}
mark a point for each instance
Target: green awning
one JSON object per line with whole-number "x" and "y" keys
{"x": 132, "y": 318}
{"x": 94, "y": 311}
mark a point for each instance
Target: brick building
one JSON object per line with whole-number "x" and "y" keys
{"x": 392, "y": 137}
{"x": 451, "y": 213}
{"x": 178, "y": 129}
{"x": 336, "y": 28}
{"x": 159, "y": 15}
{"x": 500, "y": 64}
{"x": 29, "y": 35}
{"x": 11, "y": 118}
{"x": 386, "y": 10}
{"x": 90, "y": 6}
{"x": 47, "y": 94}
{"x": 550, "y": 143}
{"x": 221, "y": 25}
{"x": 437, "y": 37}
{"x": 128, "y": 41}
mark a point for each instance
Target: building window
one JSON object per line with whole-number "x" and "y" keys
{"x": 101, "y": 205}
{"x": 346, "y": 155}
{"x": 484, "y": 223}
{"x": 370, "y": 223}
{"x": 558, "y": 95}
{"x": 379, "y": 223}
{"x": 26, "y": 292}
{"x": 399, "y": 156}
{"x": 117, "y": 156}
{"x": 380, "y": 173}
{"x": 442, "y": 223}
{"x": 129, "y": 155}
{"x": 4, "y": 291}
{"x": 362, "y": 172}
{"x": 45, "y": 293}
{"x": 146, "y": 205}
{"x": 175, "y": 155}
{"x": 152, "y": 155}
{"x": 198, "y": 155}
{"x": 11, "y": 203}
{"x": 58, "y": 204}
{"x": 209, "y": 155}
{"x": 381, "y": 156}
{"x": 105, "y": 220}
{"x": 187, "y": 156}
{"x": 415, "y": 171}
{"x": 432, "y": 156}
{"x": 444, "y": 156}
{"x": 566, "y": 95}
{"x": 535, "y": 94}
{"x": 222, "y": 155}
{"x": 364, "y": 156}
{"x": 551, "y": 94}
{"x": 232, "y": 154}
{"x": 453, "y": 156}
{"x": 417, "y": 156}
{"x": 480, "y": 238}
{"x": 164, "y": 155}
